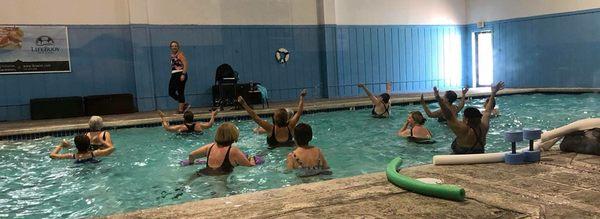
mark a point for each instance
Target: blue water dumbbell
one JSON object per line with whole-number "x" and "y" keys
{"x": 532, "y": 134}
{"x": 513, "y": 157}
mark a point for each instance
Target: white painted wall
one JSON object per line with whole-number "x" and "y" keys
{"x": 381, "y": 12}
{"x": 64, "y": 12}
{"x": 212, "y": 12}
{"x": 490, "y": 10}
{"x": 232, "y": 12}
{"x": 278, "y": 12}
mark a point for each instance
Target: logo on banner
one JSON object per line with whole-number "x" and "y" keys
{"x": 44, "y": 45}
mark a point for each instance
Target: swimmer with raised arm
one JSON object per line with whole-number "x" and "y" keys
{"x": 84, "y": 154}
{"x": 414, "y": 128}
{"x": 495, "y": 110}
{"x": 450, "y": 96}
{"x": 381, "y": 103}
{"x": 471, "y": 132}
{"x": 188, "y": 126}
{"x": 261, "y": 130}
{"x": 282, "y": 130}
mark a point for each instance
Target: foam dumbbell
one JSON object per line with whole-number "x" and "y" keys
{"x": 514, "y": 157}
{"x": 532, "y": 134}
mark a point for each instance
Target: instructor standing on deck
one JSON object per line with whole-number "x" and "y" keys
{"x": 179, "y": 69}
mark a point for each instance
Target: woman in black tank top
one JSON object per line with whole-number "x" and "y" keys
{"x": 471, "y": 132}
{"x": 281, "y": 130}
{"x": 221, "y": 155}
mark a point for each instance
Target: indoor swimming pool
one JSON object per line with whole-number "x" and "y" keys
{"x": 144, "y": 170}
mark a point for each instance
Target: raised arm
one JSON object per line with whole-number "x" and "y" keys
{"x": 207, "y": 125}
{"x": 373, "y": 98}
{"x": 456, "y": 126}
{"x": 294, "y": 120}
{"x": 165, "y": 123}
{"x": 435, "y": 114}
{"x": 55, "y": 154}
{"x": 463, "y": 99}
{"x": 490, "y": 107}
{"x": 261, "y": 122}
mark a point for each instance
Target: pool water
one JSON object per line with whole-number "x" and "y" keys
{"x": 144, "y": 172}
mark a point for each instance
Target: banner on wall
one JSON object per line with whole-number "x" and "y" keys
{"x": 34, "y": 49}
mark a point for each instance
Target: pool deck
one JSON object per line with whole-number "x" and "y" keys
{"x": 562, "y": 185}
{"x": 12, "y": 128}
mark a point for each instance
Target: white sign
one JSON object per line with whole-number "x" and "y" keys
{"x": 34, "y": 49}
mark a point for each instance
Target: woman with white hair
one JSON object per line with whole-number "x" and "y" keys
{"x": 98, "y": 139}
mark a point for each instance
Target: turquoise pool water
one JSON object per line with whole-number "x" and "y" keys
{"x": 144, "y": 171}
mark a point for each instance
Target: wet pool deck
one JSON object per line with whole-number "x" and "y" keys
{"x": 562, "y": 185}
{"x": 111, "y": 121}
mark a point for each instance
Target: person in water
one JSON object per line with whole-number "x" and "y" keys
{"x": 188, "y": 126}
{"x": 281, "y": 134}
{"x": 414, "y": 128}
{"x": 495, "y": 110}
{"x": 98, "y": 139}
{"x": 84, "y": 154}
{"x": 308, "y": 160}
{"x": 221, "y": 155}
{"x": 261, "y": 130}
{"x": 381, "y": 103}
{"x": 451, "y": 97}
{"x": 471, "y": 132}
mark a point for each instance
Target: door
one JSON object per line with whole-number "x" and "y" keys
{"x": 483, "y": 59}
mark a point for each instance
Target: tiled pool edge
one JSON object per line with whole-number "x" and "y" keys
{"x": 67, "y": 130}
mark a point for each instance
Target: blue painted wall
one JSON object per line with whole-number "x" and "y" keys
{"x": 412, "y": 58}
{"x": 250, "y": 50}
{"x": 558, "y": 50}
{"x": 101, "y": 64}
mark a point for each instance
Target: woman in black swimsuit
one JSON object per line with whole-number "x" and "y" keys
{"x": 221, "y": 155}
{"x": 381, "y": 103}
{"x": 98, "y": 138}
{"x": 414, "y": 128}
{"x": 471, "y": 132}
{"x": 450, "y": 96}
{"x": 188, "y": 126}
{"x": 281, "y": 131}
{"x": 84, "y": 152}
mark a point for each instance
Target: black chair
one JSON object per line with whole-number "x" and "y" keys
{"x": 226, "y": 81}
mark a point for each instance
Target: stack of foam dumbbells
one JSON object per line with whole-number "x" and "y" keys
{"x": 527, "y": 156}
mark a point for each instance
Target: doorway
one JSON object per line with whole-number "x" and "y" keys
{"x": 483, "y": 59}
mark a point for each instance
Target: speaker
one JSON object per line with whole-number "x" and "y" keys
{"x": 109, "y": 104}
{"x": 54, "y": 108}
